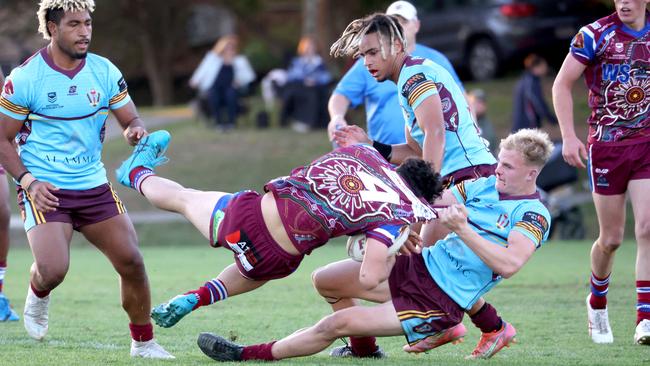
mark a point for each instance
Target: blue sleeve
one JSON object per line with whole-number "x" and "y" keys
{"x": 353, "y": 84}
{"x": 386, "y": 234}
{"x": 15, "y": 98}
{"x": 416, "y": 86}
{"x": 583, "y": 46}
{"x": 533, "y": 221}
{"x": 119, "y": 93}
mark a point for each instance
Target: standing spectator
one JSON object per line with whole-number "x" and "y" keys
{"x": 478, "y": 104}
{"x": 616, "y": 73}
{"x": 305, "y": 92}
{"x": 529, "y": 106}
{"x": 6, "y": 312}
{"x": 55, "y": 107}
{"x": 384, "y": 119}
{"x": 220, "y": 78}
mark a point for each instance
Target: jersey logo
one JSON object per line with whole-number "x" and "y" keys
{"x": 93, "y": 97}
{"x": 537, "y": 220}
{"x": 8, "y": 90}
{"x": 616, "y": 72}
{"x": 503, "y": 221}
{"x": 121, "y": 84}
{"x": 72, "y": 90}
{"x": 51, "y": 97}
{"x": 578, "y": 41}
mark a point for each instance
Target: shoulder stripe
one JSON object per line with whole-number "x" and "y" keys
{"x": 5, "y": 103}
{"x": 461, "y": 189}
{"x": 536, "y": 232}
{"x": 119, "y": 97}
{"x": 421, "y": 89}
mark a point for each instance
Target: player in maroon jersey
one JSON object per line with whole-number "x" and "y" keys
{"x": 613, "y": 53}
{"x": 348, "y": 191}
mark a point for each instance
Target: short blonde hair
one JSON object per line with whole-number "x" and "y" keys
{"x": 66, "y": 5}
{"x": 533, "y": 144}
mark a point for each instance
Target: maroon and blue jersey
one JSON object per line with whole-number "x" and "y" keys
{"x": 348, "y": 191}
{"x": 618, "y": 77}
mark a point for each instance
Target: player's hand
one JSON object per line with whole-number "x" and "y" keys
{"x": 336, "y": 123}
{"x": 412, "y": 245}
{"x": 351, "y": 135}
{"x": 454, "y": 217}
{"x": 574, "y": 151}
{"x": 134, "y": 134}
{"x": 42, "y": 197}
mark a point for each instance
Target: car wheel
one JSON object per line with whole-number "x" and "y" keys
{"x": 483, "y": 59}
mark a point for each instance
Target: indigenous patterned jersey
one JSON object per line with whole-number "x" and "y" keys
{"x": 65, "y": 113}
{"x": 454, "y": 266}
{"x": 421, "y": 78}
{"x": 349, "y": 191}
{"x": 618, "y": 77}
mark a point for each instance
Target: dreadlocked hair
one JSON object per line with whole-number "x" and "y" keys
{"x": 53, "y": 10}
{"x": 384, "y": 25}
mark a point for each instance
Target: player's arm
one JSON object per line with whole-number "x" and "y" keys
{"x": 337, "y": 106}
{"x": 573, "y": 149}
{"x": 435, "y": 230}
{"x": 39, "y": 191}
{"x": 431, "y": 121}
{"x": 505, "y": 261}
{"x": 376, "y": 264}
{"x": 132, "y": 126}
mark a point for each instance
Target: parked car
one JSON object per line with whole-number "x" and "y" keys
{"x": 484, "y": 37}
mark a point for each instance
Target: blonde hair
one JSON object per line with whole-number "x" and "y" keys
{"x": 66, "y": 5}
{"x": 535, "y": 145}
{"x": 384, "y": 25}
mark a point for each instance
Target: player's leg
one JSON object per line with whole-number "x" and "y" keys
{"x": 380, "y": 320}
{"x": 50, "y": 245}
{"x": 116, "y": 238}
{"x": 229, "y": 282}
{"x": 6, "y": 312}
{"x": 610, "y": 210}
{"x": 641, "y": 206}
{"x": 339, "y": 285}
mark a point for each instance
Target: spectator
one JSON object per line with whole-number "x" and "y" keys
{"x": 220, "y": 78}
{"x": 306, "y": 89}
{"x": 478, "y": 105}
{"x": 529, "y": 106}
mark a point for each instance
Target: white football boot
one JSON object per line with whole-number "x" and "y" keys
{"x": 149, "y": 349}
{"x": 642, "y": 333}
{"x": 599, "y": 328}
{"x": 35, "y": 315}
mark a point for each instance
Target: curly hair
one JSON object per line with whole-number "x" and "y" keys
{"x": 384, "y": 25}
{"x": 423, "y": 180}
{"x": 53, "y": 10}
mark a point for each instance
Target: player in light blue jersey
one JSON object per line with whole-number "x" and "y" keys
{"x": 384, "y": 120}
{"x": 497, "y": 224}
{"x": 55, "y": 107}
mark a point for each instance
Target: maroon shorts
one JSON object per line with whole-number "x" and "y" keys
{"x": 79, "y": 208}
{"x": 471, "y": 172}
{"x": 421, "y": 306}
{"x": 243, "y": 231}
{"x": 612, "y": 166}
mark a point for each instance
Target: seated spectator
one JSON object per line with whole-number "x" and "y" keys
{"x": 305, "y": 92}
{"x": 529, "y": 106}
{"x": 220, "y": 79}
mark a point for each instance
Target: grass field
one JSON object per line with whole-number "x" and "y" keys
{"x": 545, "y": 302}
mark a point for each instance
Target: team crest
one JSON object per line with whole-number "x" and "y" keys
{"x": 503, "y": 221}
{"x": 93, "y": 97}
{"x": 72, "y": 90}
{"x": 618, "y": 47}
{"x": 8, "y": 88}
{"x": 578, "y": 41}
{"x": 51, "y": 97}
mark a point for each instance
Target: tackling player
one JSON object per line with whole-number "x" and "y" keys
{"x": 614, "y": 55}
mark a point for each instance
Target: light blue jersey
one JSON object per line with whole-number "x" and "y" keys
{"x": 384, "y": 119}
{"x": 65, "y": 113}
{"x": 421, "y": 78}
{"x": 454, "y": 266}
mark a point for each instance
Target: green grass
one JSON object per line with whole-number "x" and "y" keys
{"x": 545, "y": 302}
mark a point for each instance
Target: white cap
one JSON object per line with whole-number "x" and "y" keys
{"x": 404, "y": 9}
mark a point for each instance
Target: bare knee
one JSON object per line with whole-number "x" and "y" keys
{"x": 331, "y": 327}
{"x": 610, "y": 241}
{"x": 50, "y": 275}
{"x": 321, "y": 283}
{"x": 642, "y": 231}
{"x": 132, "y": 267}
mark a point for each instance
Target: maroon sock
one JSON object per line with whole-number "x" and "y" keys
{"x": 363, "y": 346}
{"x": 141, "y": 333}
{"x": 138, "y": 175}
{"x": 39, "y": 293}
{"x": 258, "y": 352}
{"x": 599, "y": 288}
{"x": 486, "y": 319}
{"x": 203, "y": 293}
{"x": 642, "y": 301}
{"x": 3, "y": 268}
